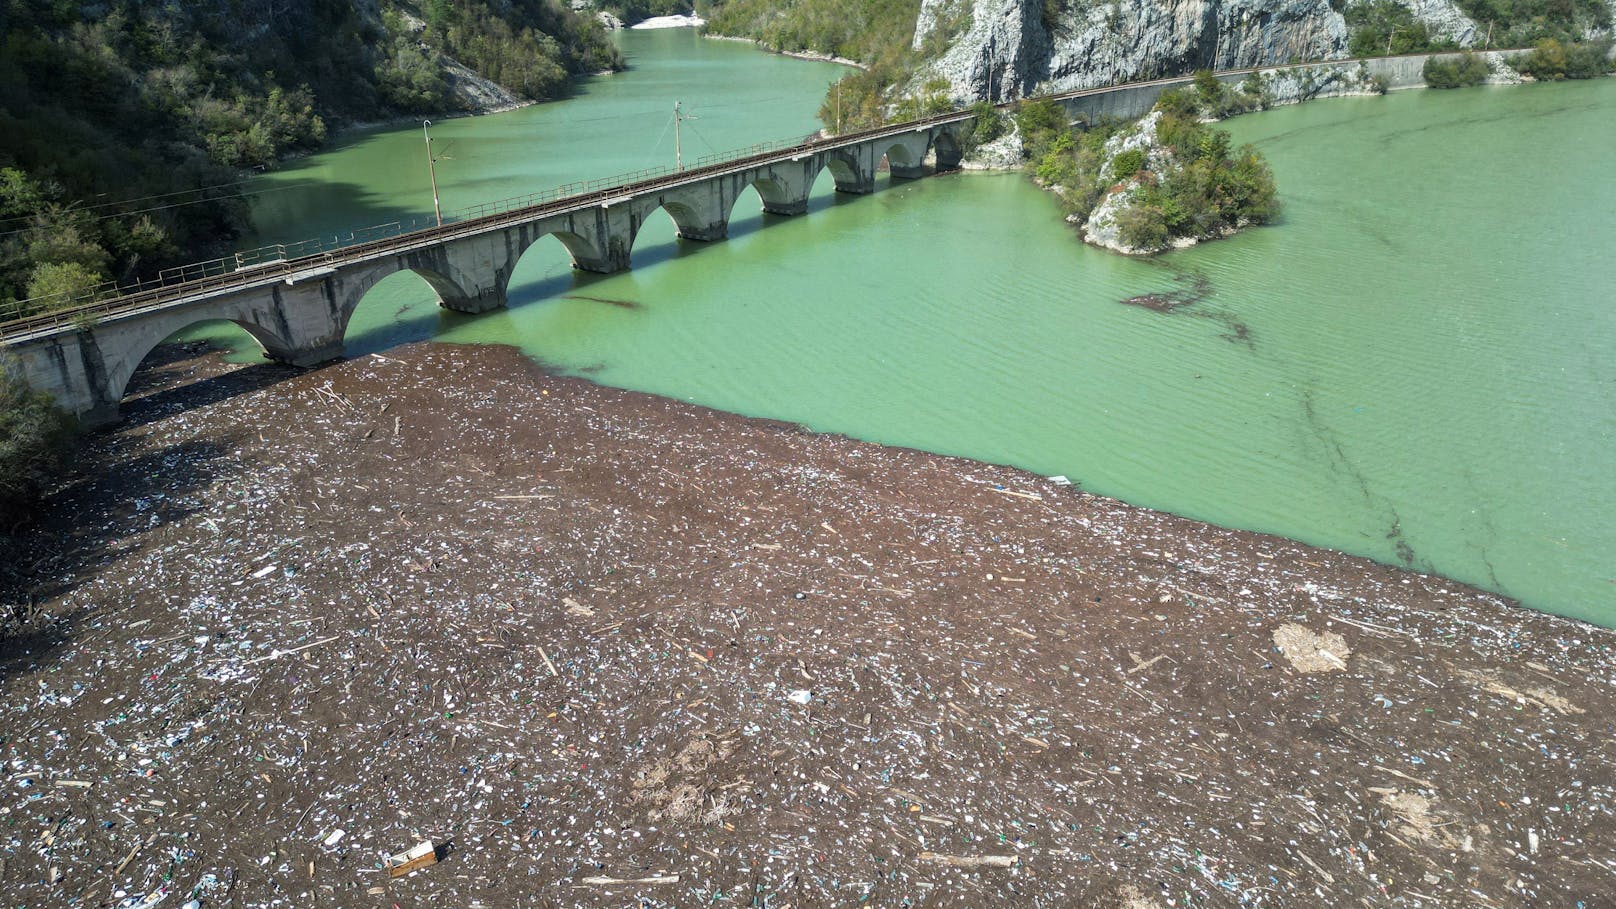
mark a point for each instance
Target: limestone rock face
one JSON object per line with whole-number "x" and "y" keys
{"x": 1013, "y": 48}
{"x": 1445, "y": 20}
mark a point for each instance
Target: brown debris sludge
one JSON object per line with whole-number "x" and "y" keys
{"x": 597, "y": 648}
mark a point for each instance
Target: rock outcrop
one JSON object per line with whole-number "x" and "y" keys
{"x": 1446, "y": 21}
{"x": 471, "y": 91}
{"x": 1004, "y": 49}
{"x": 1015, "y": 48}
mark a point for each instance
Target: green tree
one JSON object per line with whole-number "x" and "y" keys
{"x": 34, "y": 440}
{"x": 1467, "y": 69}
{"x": 1552, "y": 60}
{"x": 61, "y": 282}
{"x": 1040, "y": 121}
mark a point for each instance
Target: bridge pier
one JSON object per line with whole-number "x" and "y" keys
{"x": 908, "y": 171}
{"x": 788, "y": 208}
{"x": 611, "y": 263}
{"x": 856, "y": 185}
{"x": 310, "y": 356}
{"x": 709, "y": 234}
{"x": 487, "y": 300}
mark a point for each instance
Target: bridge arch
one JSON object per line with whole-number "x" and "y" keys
{"x": 946, "y": 147}
{"x": 906, "y": 156}
{"x": 548, "y": 265}
{"x": 697, "y": 214}
{"x": 773, "y": 195}
{"x": 575, "y": 233}
{"x": 850, "y": 174}
{"x": 773, "y": 192}
{"x": 140, "y": 340}
{"x": 450, "y": 292}
{"x": 783, "y": 188}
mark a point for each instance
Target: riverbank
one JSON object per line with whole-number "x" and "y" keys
{"x": 616, "y": 648}
{"x": 795, "y": 55}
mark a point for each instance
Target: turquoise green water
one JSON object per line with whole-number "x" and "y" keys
{"x": 1417, "y": 364}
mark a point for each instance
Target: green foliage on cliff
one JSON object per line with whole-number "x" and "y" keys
{"x": 990, "y": 124}
{"x": 1187, "y": 182}
{"x": 1382, "y": 27}
{"x": 632, "y": 11}
{"x": 1552, "y": 61}
{"x": 115, "y": 116}
{"x": 1041, "y": 123}
{"x": 34, "y": 437}
{"x": 1514, "y": 23}
{"x": 863, "y": 30}
{"x": 1211, "y": 97}
{"x": 1466, "y": 69}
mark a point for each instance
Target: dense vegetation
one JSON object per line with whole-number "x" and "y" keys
{"x": 863, "y": 30}
{"x": 1552, "y": 60}
{"x": 632, "y": 11}
{"x": 34, "y": 438}
{"x": 1379, "y": 27}
{"x": 1185, "y": 181}
{"x": 1515, "y": 23}
{"x": 1466, "y": 69}
{"x": 124, "y": 125}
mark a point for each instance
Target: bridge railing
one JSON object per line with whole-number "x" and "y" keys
{"x": 70, "y": 307}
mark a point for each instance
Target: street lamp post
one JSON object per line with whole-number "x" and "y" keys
{"x": 432, "y": 169}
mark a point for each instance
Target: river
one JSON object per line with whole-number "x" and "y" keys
{"x": 1417, "y": 364}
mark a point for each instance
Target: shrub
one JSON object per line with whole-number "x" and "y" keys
{"x": 61, "y": 283}
{"x": 1551, "y": 60}
{"x": 1256, "y": 89}
{"x": 1202, "y": 188}
{"x": 988, "y": 125}
{"x": 1468, "y": 69}
{"x": 1057, "y": 166}
{"x": 1040, "y": 122}
{"x": 1382, "y": 27}
{"x": 1143, "y": 226}
{"x": 34, "y": 440}
{"x": 1176, "y": 102}
{"x": 1125, "y": 165}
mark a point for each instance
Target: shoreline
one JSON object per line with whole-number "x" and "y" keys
{"x": 612, "y": 645}
{"x": 796, "y": 55}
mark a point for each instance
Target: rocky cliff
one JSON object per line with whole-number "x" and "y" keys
{"x": 1013, "y": 48}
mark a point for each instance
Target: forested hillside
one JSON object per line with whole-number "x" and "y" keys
{"x": 116, "y": 118}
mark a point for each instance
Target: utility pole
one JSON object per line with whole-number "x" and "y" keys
{"x": 678, "y": 148}
{"x": 432, "y": 169}
{"x": 838, "y": 107}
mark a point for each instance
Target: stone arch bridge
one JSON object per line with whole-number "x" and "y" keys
{"x": 298, "y": 309}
